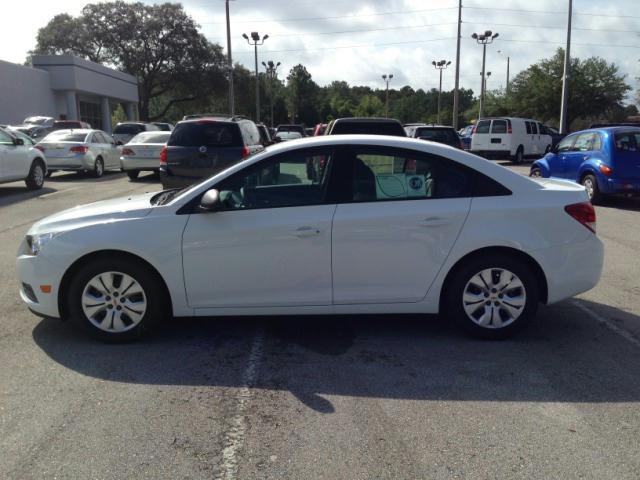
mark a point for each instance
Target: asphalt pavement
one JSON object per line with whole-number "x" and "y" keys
{"x": 348, "y": 397}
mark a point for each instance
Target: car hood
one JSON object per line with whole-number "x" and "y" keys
{"x": 93, "y": 213}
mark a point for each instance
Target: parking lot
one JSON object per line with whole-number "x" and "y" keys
{"x": 317, "y": 397}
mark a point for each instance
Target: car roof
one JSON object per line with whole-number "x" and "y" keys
{"x": 235, "y": 119}
{"x": 367, "y": 120}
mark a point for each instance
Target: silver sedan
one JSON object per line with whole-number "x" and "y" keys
{"x": 84, "y": 150}
{"x": 142, "y": 153}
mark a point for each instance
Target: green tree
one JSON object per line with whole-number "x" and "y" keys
{"x": 370, "y": 106}
{"x": 302, "y": 93}
{"x": 159, "y": 44}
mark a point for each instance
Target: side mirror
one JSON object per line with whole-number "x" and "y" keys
{"x": 18, "y": 142}
{"x": 210, "y": 201}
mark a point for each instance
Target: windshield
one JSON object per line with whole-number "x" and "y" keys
{"x": 128, "y": 129}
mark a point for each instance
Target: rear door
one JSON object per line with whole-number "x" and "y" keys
{"x": 480, "y": 139}
{"x": 111, "y": 149}
{"x": 498, "y": 139}
{"x": 626, "y": 155}
{"x": 394, "y": 228}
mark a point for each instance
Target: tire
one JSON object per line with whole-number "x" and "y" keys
{"x": 37, "y": 172}
{"x": 110, "y": 317}
{"x": 591, "y": 184}
{"x": 468, "y": 301}
{"x": 98, "y": 168}
{"x": 519, "y": 156}
{"x": 535, "y": 172}
{"x": 133, "y": 174}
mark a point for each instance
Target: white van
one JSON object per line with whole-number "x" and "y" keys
{"x": 509, "y": 137}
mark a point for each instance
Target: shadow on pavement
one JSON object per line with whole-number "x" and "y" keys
{"x": 10, "y": 194}
{"x": 564, "y": 357}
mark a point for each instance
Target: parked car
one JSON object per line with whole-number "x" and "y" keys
{"x": 163, "y": 126}
{"x": 80, "y": 150}
{"x": 20, "y": 161}
{"x": 265, "y": 136}
{"x": 69, "y": 124}
{"x": 394, "y": 226}
{"x": 35, "y": 132}
{"x": 510, "y": 138}
{"x": 435, "y": 133}
{"x": 370, "y": 126}
{"x": 556, "y": 136}
{"x": 201, "y": 147}
{"x": 286, "y": 136}
{"x": 142, "y": 153}
{"x": 291, "y": 128}
{"x": 465, "y": 136}
{"x": 39, "y": 120}
{"x": 320, "y": 129}
{"x": 605, "y": 160}
{"x": 125, "y": 131}
{"x": 309, "y": 131}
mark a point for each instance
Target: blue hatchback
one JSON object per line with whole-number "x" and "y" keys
{"x": 604, "y": 160}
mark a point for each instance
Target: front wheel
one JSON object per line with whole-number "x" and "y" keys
{"x": 116, "y": 300}
{"x": 98, "y": 168}
{"x": 591, "y": 184}
{"x": 492, "y": 297}
{"x": 35, "y": 179}
{"x": 519, "y": 156}
{"x": 535, "y": 172}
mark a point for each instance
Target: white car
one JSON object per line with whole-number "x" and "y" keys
{"x": 510, "y": 137}
{"x": 83, "y": 150}
{"x": 19, "y": 160}
{"x": 386, "y": 225}
{"x": 142, "y": 153}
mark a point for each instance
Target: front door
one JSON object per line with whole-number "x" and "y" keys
{"x": 13, "y": 158}
{"x": 270, "y": 246}
{"x": 393, "y": 233}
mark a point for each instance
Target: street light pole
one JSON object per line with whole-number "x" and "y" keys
{"x": 483, "y": 39}
{"x": 387, "y": 79}
{"x": 230, "y": 63}
{"x": 456, "y": 101}
{"x": 566, "y": 74}
{"x": 256, "y": 41}
{"x": 272, "y": 74}
{"x": 440, "y": 65}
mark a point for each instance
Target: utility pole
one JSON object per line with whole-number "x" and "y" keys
{"x": 566, "y": 75}
{"x": 272, "y": 74}
{"x": 441, "y": 65}
{"x": 508, "y": 61}
{"x": 483, "y": 39}
{"x": 456, "y": 98}
{"x": 232, "y": 103}
{"x": 387, "y": 79}
{"x": 256, "y": 41}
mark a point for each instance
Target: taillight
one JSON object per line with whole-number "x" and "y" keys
{"x": 245, "y": 151}
{"x": 605, "y": 169}
{"x": 509, "y": 126}
{"x": 163, "y": 156}
{"x": 473, "y": 129}
{"x": 128, "y": 151}
{"x": 79, "y": 149}
{"x": 583, "y": 213}
{"x": 41, "y": 148}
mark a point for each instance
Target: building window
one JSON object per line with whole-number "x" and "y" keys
{"x": 92, "y": 114}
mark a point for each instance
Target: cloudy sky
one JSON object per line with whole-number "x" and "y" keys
{"x": 359, "y": 40}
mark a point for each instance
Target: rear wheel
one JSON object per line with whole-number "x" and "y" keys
{"x": 591, "y": 184}
{"x": 492, "y": 297}
{"x": 133, "y": 174}
{"x": 35, "y": 179}
{"x": 519, "y": 156}
{"x": 116, "y": 299}
{"x": 98, "y": 168}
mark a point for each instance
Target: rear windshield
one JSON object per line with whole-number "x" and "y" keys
{"x": 290, "y": 128}
{"x": 628, "y": 141}
{"x": 368, "y": 128}
{"x": 65, "y": 137}
{"x": 438, "y": 134}
{"x": 128, "y": 129}
{"x": 499, "y": 126}
{"x": 63, "y": 125}
{"x": 147, "y": 137}
{"x": 483, "y": 126}
{"x": 196, "y": 134}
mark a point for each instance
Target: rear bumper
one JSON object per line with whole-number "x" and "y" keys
{"x": 152, "y": 164}
{"x": 615, "y": 185}
{"x": 493, "y": 154}
{"x": 80, "y": 162}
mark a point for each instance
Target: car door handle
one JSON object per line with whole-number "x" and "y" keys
{"x": 435, "y": 222}
{"x": 586, "y": 157}
{"x": 303, "y": 232}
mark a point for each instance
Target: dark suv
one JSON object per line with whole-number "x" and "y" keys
{"x": 435, "y": 133}
{"x": 201, "y": 147}
{"x": 368, "y": 126}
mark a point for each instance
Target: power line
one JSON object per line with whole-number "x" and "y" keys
{"x": 502, "y": 39}
{"x": 560, "y": 27}
{"x": 550, "y": 12}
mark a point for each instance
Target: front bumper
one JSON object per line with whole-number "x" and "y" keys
{"x": 35, "y": 274}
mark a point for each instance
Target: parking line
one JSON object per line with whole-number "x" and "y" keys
{"x": 608, "y": 323}
{"x": 234, "y": 437}
{"x": 59, "y": 191}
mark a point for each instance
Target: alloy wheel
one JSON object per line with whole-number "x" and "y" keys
{"x": 588, "y": 184}
{"x": 494, "y": 298}
{"x": 38, "y": 175}
{"x": 114, "y": 302}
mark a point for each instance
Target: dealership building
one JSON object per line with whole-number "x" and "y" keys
{"x": 65, "y": 87}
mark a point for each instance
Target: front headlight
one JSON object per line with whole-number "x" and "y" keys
{"x": 35, "y": 243}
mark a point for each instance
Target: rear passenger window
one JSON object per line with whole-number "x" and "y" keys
{"x": 499, "y": 126}
{"x": 383, "y": 174}
{"x": 627, "y": 141}
{"x": 483, "y": 126}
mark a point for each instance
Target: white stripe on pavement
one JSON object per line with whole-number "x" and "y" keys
{"x": 608, "y": 323}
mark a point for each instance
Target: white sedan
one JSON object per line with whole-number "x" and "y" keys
{"x": 383, "y": 225}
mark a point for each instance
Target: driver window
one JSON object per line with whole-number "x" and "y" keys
{"x": 296, "y": 178}
{"x": 565, "y": 144}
